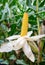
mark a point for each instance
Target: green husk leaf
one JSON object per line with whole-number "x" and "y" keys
{"x": 33, "y": 47}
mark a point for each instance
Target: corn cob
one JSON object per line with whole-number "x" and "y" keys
{"x": 24, "y": 28}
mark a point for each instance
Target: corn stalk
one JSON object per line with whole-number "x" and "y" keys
{"x": 38, "y": 25}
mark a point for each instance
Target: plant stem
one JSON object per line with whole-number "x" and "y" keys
{"x": 37, "y": 17}
{"x": 38, "y": 60}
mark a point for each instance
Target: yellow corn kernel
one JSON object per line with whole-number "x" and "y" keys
{"x": 24, "y": 28}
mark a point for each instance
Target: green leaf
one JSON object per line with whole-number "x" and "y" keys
{"x": 21, "y": 62}
{"x": 5, "y": 62}
{"x": 42, "y": 3}
{"x": 33, "y": 47}
{"x": 12, "y": 57}
{"x": 1, "y": 41}
{"x": 1, "y": 60}
{"x": 28, "y": 2}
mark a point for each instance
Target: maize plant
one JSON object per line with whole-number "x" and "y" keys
{"x": 22, "y": 32}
